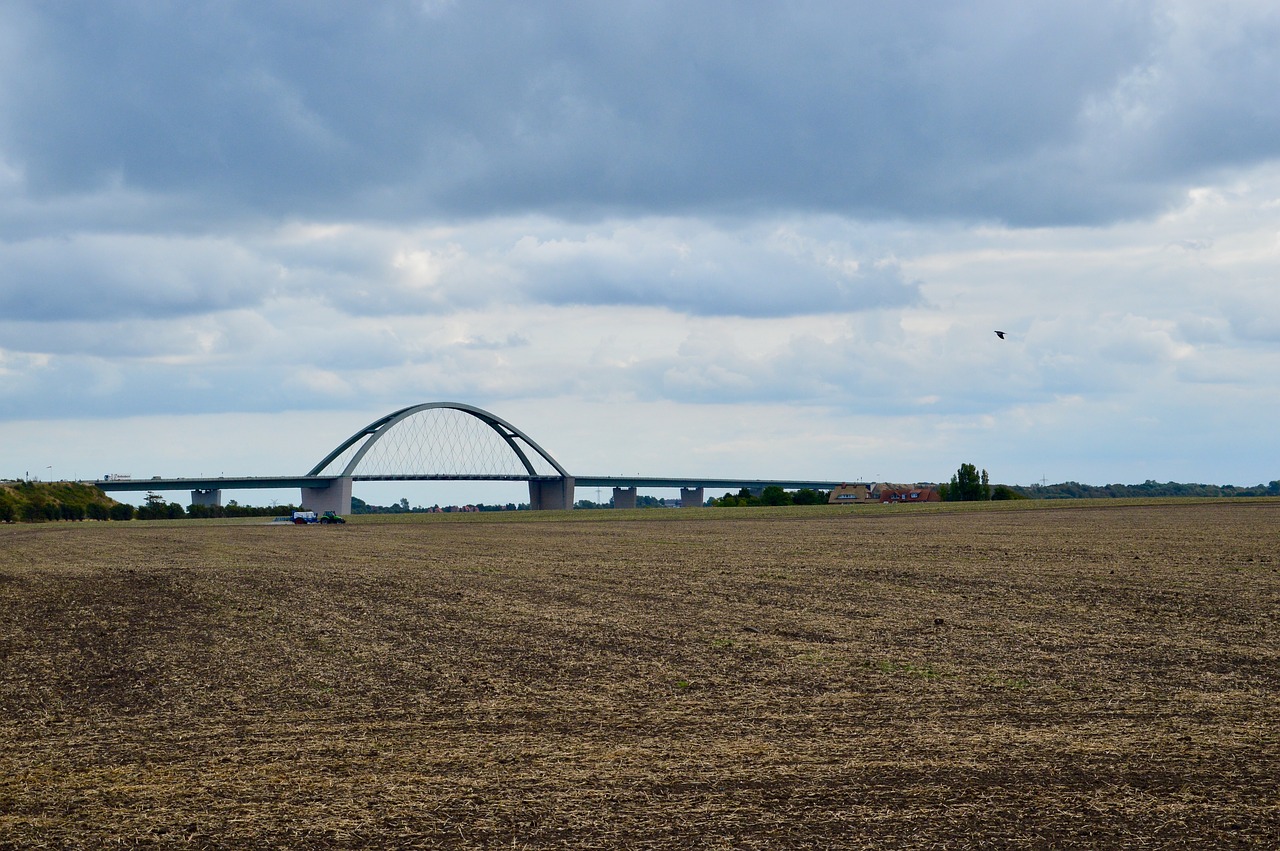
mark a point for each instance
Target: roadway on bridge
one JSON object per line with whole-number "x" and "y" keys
{"x": 269, "y": 482}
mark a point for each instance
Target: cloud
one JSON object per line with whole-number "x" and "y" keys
{"x": 725, "y": 268}
{"x": 701, "y": 271}
{"x": 895, "y": 319}
{"x": 104, "y": 277}
{"x": 993, "y": 110}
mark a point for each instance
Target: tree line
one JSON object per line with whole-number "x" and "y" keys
{"x": 359, "y": 506}
{"x": 772, "y": 495}
{"x": 1149, "y": 488}
{"x": 969, "y": 484}
{"x": 42, "y": 502}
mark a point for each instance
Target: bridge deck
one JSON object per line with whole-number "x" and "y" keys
{"x": 671, "y": 482}
{"x": 269, "y": 482}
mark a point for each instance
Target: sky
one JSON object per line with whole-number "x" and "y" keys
{"x": 737, "y": 239}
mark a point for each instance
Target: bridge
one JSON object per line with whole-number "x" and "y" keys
{"x": 444, "y": 441}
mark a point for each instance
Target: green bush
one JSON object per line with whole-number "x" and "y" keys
{"x": 809, "y": 496}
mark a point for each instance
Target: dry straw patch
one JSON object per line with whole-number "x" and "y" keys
{"x": 1098, "y": 677}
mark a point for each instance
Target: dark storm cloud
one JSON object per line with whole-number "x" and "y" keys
{"x": 1027, "y": 112}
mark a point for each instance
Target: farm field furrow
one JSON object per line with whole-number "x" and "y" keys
{"x": 1088, "y": 677}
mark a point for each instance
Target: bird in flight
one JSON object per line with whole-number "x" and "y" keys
{"x": 1000, "y": 334}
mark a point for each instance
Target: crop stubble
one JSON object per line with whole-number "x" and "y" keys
{"x": 1105, "y": 676}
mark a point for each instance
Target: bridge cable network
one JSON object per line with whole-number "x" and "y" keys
{"x": 439, "y": 439}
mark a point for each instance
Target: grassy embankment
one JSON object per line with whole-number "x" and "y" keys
{"x": 43, "y": 501}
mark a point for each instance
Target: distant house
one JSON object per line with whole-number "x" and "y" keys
{"x": 910, "y": 494}
{"x": 850, "y": 494}
{"x": 863, "y": 493}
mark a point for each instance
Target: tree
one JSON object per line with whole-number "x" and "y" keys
{"x": 157, "y": 509}
{"x": 809, "y": 496}
{"x": 968, "y": 485}
{"x": 153, "y": 507}
{"x": 775, "y": 495}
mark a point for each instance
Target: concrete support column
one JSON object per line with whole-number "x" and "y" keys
{"x": 206, "y": 497}
{"x": 551, "y": 494}
{"x": 624, "y": 497}
{"x": 691, "y": 498}
{"x": 335, "y": 497}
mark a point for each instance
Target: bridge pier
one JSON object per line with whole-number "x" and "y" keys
{"x": 691, "y": 498}
{"x": 624, "y": 497}
{"x": 551, "y": 494}
{"x": 212, "y": 496}
{"x": 335, "y": 497}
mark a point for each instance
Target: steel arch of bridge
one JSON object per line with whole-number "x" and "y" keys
{"x": 517, "y": 441}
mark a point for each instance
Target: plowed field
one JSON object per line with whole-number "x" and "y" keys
{"x": 1085, "y": 676}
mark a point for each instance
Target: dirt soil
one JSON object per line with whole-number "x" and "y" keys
{"x": 1102, "y": 676}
